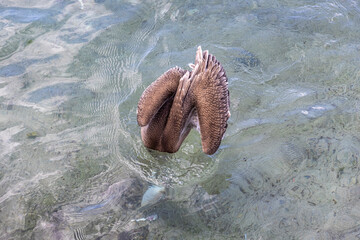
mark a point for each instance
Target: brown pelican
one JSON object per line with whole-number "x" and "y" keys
{"x": 180, "y": 100}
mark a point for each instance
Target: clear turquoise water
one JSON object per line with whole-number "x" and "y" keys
{"x": 72, "y": 162}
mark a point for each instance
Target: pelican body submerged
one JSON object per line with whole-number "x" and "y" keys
{"x": 180, "y": 100}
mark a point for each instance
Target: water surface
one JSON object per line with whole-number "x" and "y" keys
{"x": 72, "y": 161}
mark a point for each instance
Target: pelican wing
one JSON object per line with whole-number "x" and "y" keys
{"x": 157, "y": 94}
{"x": 211, "y": 99}
{"x": 178, "y": 125}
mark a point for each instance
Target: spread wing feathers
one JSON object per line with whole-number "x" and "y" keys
{"x": 211, "y": 99}
{"x": 151, "y": 133}
{"x": 157, "y": 93}
{"x": 178, "y": 124}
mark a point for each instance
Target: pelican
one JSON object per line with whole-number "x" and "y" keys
{"x": 180, "y": 100}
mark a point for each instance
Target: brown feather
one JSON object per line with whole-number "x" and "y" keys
{"x": 157, "y": 93}
{"x": 179, "y": 100}
{"x": 211, "y": 98}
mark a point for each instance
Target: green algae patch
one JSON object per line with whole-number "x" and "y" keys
{"x": 30, "y": 41}
{"x": 30, "y": 221}
{"x": 216, "y": 183}
{"x": 32, "y": 135}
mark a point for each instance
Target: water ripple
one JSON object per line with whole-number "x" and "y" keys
{"x": 27, "y": 15}
{"x": 72, "y": 72}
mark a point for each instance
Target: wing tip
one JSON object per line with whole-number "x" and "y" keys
{"x": 210, "y": 150}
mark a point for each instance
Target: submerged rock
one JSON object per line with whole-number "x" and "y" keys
{"x": 240, "y": 58}
{"x": 152, "y": 195}
{"x": 216, "y": 183}
{"x": 138, "y": 233}
{"x": 246, "y": 58}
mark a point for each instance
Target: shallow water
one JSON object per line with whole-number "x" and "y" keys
{"x": 72, "y": 162}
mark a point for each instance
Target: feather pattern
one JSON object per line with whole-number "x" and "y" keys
{"x": 180, "y": 100}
